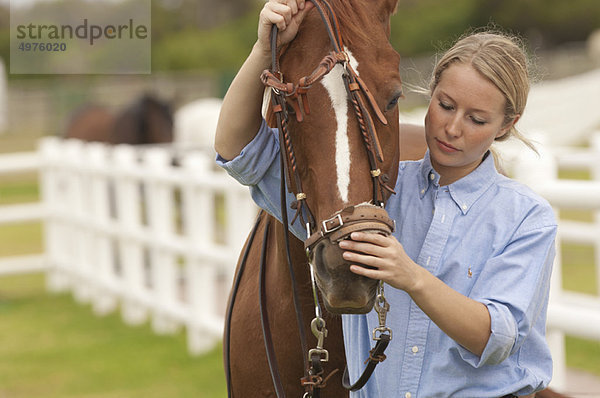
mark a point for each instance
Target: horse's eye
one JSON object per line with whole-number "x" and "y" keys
{"x": 394, "y": 101}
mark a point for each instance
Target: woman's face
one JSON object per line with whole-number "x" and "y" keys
{"x": 465, "y": 115}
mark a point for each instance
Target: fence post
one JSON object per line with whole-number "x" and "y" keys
{"x": 75, "y": 214}
{"x": 535, "y": 171}
{"x": 50, "y": 188}
{"x": 202, "y": 274}
{"x": 159, "y": 196}
{"x": 105, "y": 301}
{"x": 128, "y": 251}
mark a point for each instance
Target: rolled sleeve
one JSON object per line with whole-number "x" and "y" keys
{"x": 504, "y": 331}
{"x": 515, "y": 292}
{"x": 253, "y": 162}
{"x": 257, "y": 166}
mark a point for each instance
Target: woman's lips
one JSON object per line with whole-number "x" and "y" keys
{"x": 446, "y": 147}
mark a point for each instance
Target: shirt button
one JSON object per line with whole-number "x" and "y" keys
{"x": 464, "y": 207}
{"x": 408, "y": 395}
{"x": 415, "y": 349}
{"x": 422, "y": 191}
{"x": 432, "y": 176}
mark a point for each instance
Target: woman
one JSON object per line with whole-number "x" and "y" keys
{"x": 471, "y": 259}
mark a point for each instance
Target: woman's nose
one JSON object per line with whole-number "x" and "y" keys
{"x": 453, "y": 125}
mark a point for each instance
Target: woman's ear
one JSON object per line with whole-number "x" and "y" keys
{"x": 506, "y": 128}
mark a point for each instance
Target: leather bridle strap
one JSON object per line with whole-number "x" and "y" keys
{"x": 234, "y": 291}
{"x": 376, "y": 356}
{"x": 351, "y": 219}
{"x": 264, "y": 318}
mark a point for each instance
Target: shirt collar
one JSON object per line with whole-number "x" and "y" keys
{"x": 465, "y": 191}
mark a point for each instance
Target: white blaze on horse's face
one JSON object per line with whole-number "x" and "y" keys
{"x": 334, "y": 84}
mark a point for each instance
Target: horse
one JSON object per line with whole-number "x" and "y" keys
{"x": 147, "y": 120}
{"x": 340, "y": 153}
{"x": 336, "y": 173}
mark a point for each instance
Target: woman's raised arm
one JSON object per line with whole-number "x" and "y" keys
{"x": 240, "y": 116}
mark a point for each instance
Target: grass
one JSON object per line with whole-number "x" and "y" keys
{"x": 53, "y": 347}
{"x": 19, "y": 189}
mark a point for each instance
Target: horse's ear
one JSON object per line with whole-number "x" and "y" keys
{"x": 388, "y": 7}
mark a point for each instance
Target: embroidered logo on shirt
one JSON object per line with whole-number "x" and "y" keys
{"x": 470, "y": 273}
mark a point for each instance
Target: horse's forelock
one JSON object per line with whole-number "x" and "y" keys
{"x": 355, "y": 15}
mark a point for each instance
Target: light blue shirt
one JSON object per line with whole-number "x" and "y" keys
{"x": 486, "y": 236}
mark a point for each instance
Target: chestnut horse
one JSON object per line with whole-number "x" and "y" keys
{"x": 338, "y": 156}
{"x": 341, "y": 152}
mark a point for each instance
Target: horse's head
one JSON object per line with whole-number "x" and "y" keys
{"x": 157, "y": 118}
{"x": 342, "y": 169}
{"x": 148, "y": 120}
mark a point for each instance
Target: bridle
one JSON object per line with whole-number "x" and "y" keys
{"x": 344, "y": 222}
{"x": 295, "y": 95}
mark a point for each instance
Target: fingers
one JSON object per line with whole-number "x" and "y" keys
{"x": 369, "y": 273}
{"x": 369, "y": 243}
{"x": 369, "y": 249}
{"x": 278, "y": 14}
{"x": 281, "y": 12}
{"x": 364, "y": 259}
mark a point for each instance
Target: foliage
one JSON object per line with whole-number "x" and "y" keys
{"x": 424, "y": 26}
{"x": 184, "y": 40}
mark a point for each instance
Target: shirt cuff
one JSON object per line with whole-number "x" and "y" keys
{"x": 249, "y": 167}
{"x": 502, "y": 338}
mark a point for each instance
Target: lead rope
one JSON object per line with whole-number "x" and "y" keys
{"x": 382, "y": 335}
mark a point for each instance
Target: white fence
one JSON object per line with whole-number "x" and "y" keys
{"x": 569, "y": 313}
{"x": 126, "y": 228}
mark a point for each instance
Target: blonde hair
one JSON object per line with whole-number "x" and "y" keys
{"x": 500, "y": 58}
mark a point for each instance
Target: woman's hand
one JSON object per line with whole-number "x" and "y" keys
{"x": 465, "y": 320}
{"x": 386, "y": 256}
{"x": 287, "y": 15}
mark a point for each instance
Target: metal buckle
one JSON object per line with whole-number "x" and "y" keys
{"x": 327, "y": 230}
{"x": 381, "y": 330}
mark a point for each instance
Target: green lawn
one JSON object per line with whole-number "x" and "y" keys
{"x": 52, "y": 347}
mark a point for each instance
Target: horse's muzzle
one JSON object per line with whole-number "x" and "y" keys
{"x": 345, "y": 292}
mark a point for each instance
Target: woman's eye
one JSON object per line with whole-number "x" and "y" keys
{"x": 445, "y": 106}
{"x": 478, "y": 121}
